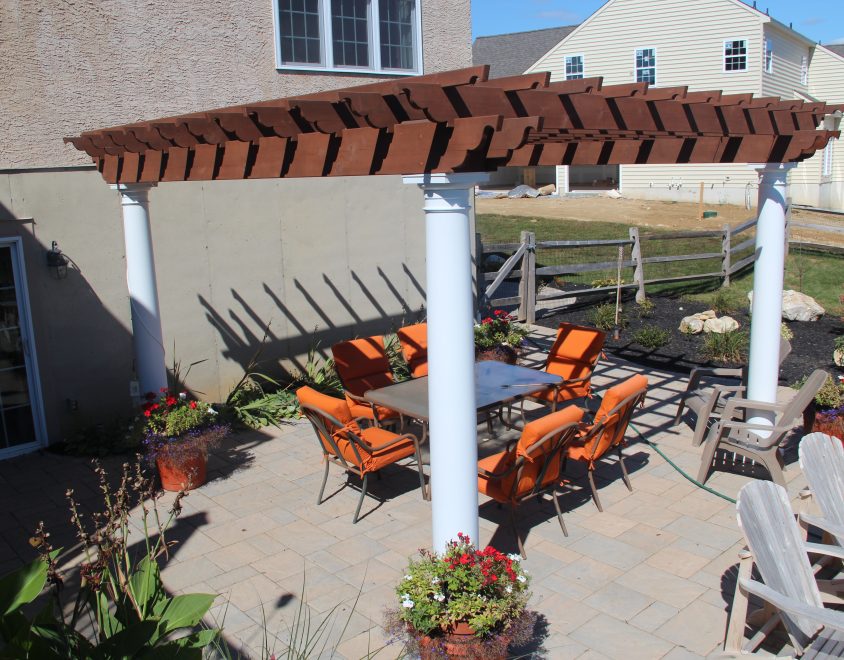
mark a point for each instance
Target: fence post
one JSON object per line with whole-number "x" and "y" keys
{"x": 639, "y": 271}
{"x": 479, "y": 283}
{"x": 787, "y": 224}
{"x": 527, "y": 284}
{"x": 727, "y": 258}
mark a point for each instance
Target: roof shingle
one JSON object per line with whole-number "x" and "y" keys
{"x": 511, "y": 54}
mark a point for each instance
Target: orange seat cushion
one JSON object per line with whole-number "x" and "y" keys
{"x": 414, "y": 348}
{"x": 339, "y": 410}
{"x": 377, "y": 459}
{"x": 362, "y": 365}
{"x": 361, "y": 410}
{"x": 497, "y": 489}
{"x": 574, "y": 354}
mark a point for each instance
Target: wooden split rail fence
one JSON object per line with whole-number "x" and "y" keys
{"x": 520, "y": 264}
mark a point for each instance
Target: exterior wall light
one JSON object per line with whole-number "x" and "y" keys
{"x": 57, "y": 262}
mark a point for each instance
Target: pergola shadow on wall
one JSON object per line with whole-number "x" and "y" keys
{"x": 443, "y": 132}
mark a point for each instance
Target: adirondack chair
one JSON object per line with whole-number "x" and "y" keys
{"x": 822, "y": 462}
{"x": 706, "y": 399}
{"x": 781, "y": 557}
{"x": 758, "y": 442}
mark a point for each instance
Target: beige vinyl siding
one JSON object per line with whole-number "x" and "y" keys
{"x": 723, "y": 184}
{"x": 788, "y": 53}
{"x": 688, "y": 38}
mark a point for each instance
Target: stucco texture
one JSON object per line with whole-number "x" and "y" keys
{"x": 85, "y": 64}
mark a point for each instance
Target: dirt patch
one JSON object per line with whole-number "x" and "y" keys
{"x": 659, "y": 214}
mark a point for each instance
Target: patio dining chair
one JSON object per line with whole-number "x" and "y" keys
{"x": 758, "y": 442}
{"x": 606, "y": 432}
{"x": 708, "y": 390}
{"x": 359, "y": 450}
{"x": 573, "y": 356}
{"x": 791, "y": 592}
{"x": 362, "y": 365}
{"x": 533, "y": 466}
{"x": 414, "y": 348}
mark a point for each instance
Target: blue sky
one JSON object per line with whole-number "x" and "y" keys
{"x": 820, "y": 20}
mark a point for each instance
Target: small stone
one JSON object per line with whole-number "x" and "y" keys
{"x": 838, "y": 357}
{"x": 691, "y": 325}
{"x": 550, "y": 189}
{"x": 721, "y": 325}
{"x": 523, "y": 191}
{"x": 708, "y": 314}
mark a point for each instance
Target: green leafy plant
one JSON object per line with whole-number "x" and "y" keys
{"x": 651, "y": 336}
{"x": 838, "y": 343}
{"x": 603, "y": 317}
{"x": 319, "y": 374}
{"x": 256, "y": 409}
{"x": 398, "y": 365}
{"x": 499, "y": 330}
{"x": 786, "y": 332}
{"x": 727, "y": 347}
{"x": 645, "y": 308}
{"x": 606, "y": 282}
{"x": 726, "y": 301}
{"x": 831, "y": 394}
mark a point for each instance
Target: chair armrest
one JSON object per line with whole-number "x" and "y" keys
{"x": 739, "y": 403}
{"x": 822, "y": 524}
{"x": 823, "y": 549}
{"x": 820, "y": 615}
{"x": 699, "y": 373}
{"x": 496, "y": 475}
{"x": 390, "y": 443}
{"x": 747, "y": 426}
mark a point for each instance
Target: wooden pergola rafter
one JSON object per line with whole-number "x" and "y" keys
{"x": 459, "y": 121}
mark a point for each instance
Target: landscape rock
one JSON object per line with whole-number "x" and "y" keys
{"x": 523, "y": 191}
{"x": 720, "y": 325}
{"x": 550, "y": 189}
{"x": 691, "y": 325}
{"x": 797, "y": 306}
{"x": 708, "y": 314}
{"x": 613, "y": 194}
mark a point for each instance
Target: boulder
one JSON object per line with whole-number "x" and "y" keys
{"x": 691, "y": 325}
{"x": 708, "y": 314}
{"x": 721, "y": 325}
{"x": 523, "y": 191}
{"x": 550, "y": 189}
{"x": 797, "y": 306}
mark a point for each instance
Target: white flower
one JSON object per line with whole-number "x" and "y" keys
{"x": 508, "y": 589}
{"x": 405, "y": 596}
{"x": 514, "y": 557}
{"x": 408, "y": 577}
{"x": 407, "y": 603}
{"x": 439, "y": 597}
{"x": 183, "y": 395}
{"x": 435, "y": 580}
{"x": 522, "y": 578}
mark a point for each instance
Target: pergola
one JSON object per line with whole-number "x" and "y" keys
{"x": 443, "y": 132}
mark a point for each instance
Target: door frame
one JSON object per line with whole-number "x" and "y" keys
{"x": 33, "y": 375}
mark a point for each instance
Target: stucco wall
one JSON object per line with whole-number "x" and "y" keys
{"x": 315, "y": 259}
{"x": 88, "y": 64}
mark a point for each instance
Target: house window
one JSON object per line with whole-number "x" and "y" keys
{"x": 769, "y": 56}
{"x": 735, "y": 55}
{"x": 804, "y": 70}
{"x": 646, "y": 65}
{"x": 349, "y": 35}
{"x": 574, "y": 67}
{"x": 826, "y": 163}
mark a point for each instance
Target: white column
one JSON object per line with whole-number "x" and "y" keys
{"x": 766, "y": 314}
{"x": 451, "y": 355}
{"x": 150, "y": 363}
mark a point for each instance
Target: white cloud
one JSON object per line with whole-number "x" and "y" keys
{"x": 813, "y": 20}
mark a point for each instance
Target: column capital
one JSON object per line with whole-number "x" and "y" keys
{"x": 446, "y": 181}
{"x": 133, "y": 193}
{"x": 772, "y": 169}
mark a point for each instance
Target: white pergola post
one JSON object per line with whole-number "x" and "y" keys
{"x": 150, "y": 362}
{"x": 766, "y": 313}
{"x": 451, "y": 355}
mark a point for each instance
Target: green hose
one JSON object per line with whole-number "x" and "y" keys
{"x": 679, "y": 469}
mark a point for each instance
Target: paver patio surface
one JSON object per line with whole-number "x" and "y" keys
{"x": 650, "y": 577}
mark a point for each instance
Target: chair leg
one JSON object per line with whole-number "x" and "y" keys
{"x": 516, "y": 531}
{"x": 709, "y": 449}
{"x": 679, "y": 416}
{"x": 734, "y": 639}
{"x": 624, "y": 474}
{"x": 425, "y": 495}
{"x": 362, "y": 496}
{"x": 559, "y": 513}
{"x": 324, "y": 481}
{"x": 590, "y": 474}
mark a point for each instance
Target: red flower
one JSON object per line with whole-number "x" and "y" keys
{"x": 147, "y": 413}
{"x": 154, "y": 406}
{"x": 171, "y": 401}
{"x": 193, "y": 404}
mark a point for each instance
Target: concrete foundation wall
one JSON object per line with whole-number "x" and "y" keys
{"x": 315, "y": 259}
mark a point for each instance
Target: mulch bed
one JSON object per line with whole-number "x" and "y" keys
{"x": 812, "y": 344}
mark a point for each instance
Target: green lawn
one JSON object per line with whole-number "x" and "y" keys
{"x": 818, "y": 275}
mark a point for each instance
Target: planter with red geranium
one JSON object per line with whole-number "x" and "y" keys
{"x": 498, "y": 338}
{"x": 178, "y": 431}
{"x": 825, "y": 413}
{"x": 463, "y": 603}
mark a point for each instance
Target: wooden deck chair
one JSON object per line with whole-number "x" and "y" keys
{"x": 357, "y": 450}
{"x": 362, "y": 365}
{"x": 573, "y": 357}
{"x": 533, "y": 466}
{"x": 607, "y": 430}
{"x": 708, "y": 389}
{"x": 735, "y": 435}
{"x": 822, "y": 462}
{"x": 414, "y": 348}
{"x": 781, "y": 557}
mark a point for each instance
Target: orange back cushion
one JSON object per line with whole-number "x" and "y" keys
{"x": 535, "y": 457}
{"x": 575, "y": 351}
{"x": 613, "y": 430}
{"x": 362, "y": 364}
{"x": 339, "y": 410}
{"x": 414, "y": 347}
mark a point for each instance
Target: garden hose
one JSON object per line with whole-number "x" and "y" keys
{"x": 679, "y": 469}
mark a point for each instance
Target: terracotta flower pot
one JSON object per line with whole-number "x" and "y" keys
{"x": 187, "y": 474}
{"x": 458, "y": 641}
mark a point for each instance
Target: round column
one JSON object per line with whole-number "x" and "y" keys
{"x": 451, "y": 355}
{"x": 766, "y": 313}
{"x": 150, "y": 364}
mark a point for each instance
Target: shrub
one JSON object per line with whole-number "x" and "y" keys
{"x": 255, "y": 408}
{"x": 727, "y": 347}
{"x": 603, "y": 317}
{"x": 651, "y": 336}
{"x": 645, "y": 308}
{"x": 831, "y": 394}
{"x": 726, "y": 301}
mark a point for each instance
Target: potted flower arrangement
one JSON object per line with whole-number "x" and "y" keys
{"x": 826, "y": 412}
{"x": 464, "y": 603}
{"x": 178, "y": 431}
{"x": 497, "y": 337}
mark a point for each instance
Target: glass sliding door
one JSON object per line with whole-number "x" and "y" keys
{"x": 21, "y": 419}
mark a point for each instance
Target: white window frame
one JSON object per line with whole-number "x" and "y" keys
{"x": 746, "y": 55}
{"x": 768, "y": 56}
{"x": 827, "y": 158}
{"x": 636, "y": 52}
{"x": 582, "y": 66}
{"x": 804, "y": 70}
{"x": 326, "y": 50}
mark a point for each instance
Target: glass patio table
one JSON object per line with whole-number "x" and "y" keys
{"x": 496, "y": 384}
